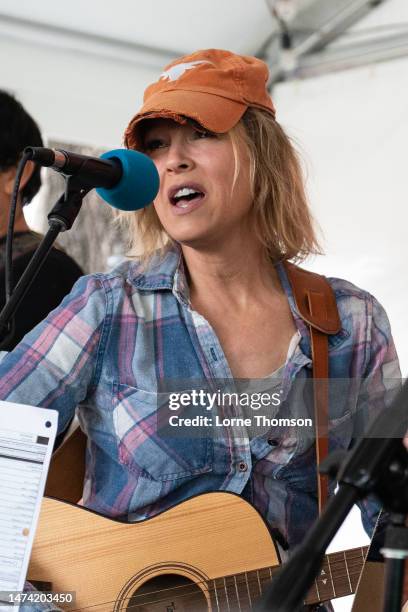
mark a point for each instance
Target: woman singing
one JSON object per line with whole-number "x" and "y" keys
{"x": 210, "y": 299}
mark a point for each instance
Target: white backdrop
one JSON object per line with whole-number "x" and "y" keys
{"x": 353, "y": 130}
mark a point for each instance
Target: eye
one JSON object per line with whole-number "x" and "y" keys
{"x": 152, "y": 144}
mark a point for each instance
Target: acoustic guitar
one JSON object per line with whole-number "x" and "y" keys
{"x": 211, "y": 552}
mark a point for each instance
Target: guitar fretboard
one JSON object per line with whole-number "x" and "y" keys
{"x": 338, "y": 577}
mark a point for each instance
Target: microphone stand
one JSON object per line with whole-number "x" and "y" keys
{"x": 378, "y": 464}
{"x": 60, "y": 219}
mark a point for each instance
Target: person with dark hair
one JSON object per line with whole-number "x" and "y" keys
{"x": 59, "y": 272}
{"x": 18, "y": 129}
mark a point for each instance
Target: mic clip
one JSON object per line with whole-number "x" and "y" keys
{"x": 68, "y": 206}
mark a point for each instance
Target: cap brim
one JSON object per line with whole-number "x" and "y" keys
{"x": 212, "y": 112}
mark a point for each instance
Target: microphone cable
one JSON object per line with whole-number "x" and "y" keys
{"x": 10, "y": 229}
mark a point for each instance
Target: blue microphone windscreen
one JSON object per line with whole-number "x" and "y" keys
{"x": 139, "y": 183}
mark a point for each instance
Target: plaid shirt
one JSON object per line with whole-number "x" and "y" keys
{"x": 114, "y": 340}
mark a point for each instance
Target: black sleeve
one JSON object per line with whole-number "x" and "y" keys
{"x": 54, "y": 281}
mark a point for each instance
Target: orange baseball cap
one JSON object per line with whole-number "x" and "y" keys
{"x": 213, "y": 87}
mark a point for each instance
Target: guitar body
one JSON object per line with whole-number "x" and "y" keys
{"x": 174, "y": 561}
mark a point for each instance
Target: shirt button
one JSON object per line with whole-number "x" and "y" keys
{"x": 243, "y": 466}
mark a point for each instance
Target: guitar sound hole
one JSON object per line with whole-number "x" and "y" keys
{"x": 168, "y": 593}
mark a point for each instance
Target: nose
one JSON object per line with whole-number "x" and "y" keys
{"x": 178, "y": 158}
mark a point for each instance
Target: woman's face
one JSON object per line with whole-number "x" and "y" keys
{"x": 198, "y": 202}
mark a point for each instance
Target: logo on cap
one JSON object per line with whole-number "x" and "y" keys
{"x": 176, "y": 71}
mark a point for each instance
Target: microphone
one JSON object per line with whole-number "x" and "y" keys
{"x": 126, "y": 179}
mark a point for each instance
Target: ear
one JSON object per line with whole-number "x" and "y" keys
{"x": 10, "y": 176}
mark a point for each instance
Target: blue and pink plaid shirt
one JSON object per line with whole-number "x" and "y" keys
{"x": 113, "y": 341}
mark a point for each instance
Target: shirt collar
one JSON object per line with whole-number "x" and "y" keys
{"x": 167, "y": 271}
{"x": 301, "y": 326}
{"x": 286, "y": 286}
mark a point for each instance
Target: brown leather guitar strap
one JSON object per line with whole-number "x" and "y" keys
{"x": 317, "y": 306}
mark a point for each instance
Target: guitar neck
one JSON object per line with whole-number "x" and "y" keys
{"x": 338, "y": 577}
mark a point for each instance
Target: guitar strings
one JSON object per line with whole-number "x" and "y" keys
{"x": 206, "y": 583}
{"x": 192, "y": 597}
{"x": 210, "y": 589}
{"x": 354, "y": 556}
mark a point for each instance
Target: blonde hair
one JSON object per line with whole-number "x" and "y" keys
{"x": 282, "y": 220}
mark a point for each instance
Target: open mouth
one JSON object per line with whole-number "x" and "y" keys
{"x": 184, "y": 197}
